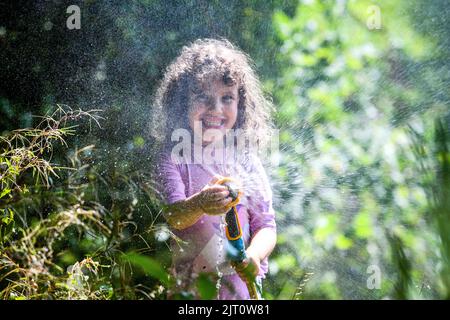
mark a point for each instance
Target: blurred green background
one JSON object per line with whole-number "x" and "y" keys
{"x": 361, "y": 192}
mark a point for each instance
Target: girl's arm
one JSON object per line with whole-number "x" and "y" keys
{"x": 185, "y": 213}
{"x": 262, "y": 244}
{"x": 262, "y": 219}
{"x": 212, "y": 200}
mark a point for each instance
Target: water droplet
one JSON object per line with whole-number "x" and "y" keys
{"x": 48, "y": 26}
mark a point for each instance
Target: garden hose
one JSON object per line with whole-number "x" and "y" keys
{"x": 233, "y": 231}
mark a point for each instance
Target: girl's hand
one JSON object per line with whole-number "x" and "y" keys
{"x": 249, "y": 268}
{"x": 213, "y": 199}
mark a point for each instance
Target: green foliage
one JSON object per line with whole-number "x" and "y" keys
{"x": 149, "y": 265}
{"x": 58, "y": 241}
{"x": 355, "y": 177}
{"x": 206, "y": 287}
{"x": 440, "y": 203}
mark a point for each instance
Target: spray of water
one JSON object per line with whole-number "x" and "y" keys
{"x": 347, "y": 109}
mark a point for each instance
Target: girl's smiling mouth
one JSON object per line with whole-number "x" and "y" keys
{"x": 213, "y": 122}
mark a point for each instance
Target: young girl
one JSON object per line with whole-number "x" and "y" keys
{"x": 209, "y": 91}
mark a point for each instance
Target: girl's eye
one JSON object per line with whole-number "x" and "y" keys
{"x": 228, "y": 99}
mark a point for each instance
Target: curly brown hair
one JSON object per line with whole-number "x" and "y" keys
{"x": 203, "y": 60}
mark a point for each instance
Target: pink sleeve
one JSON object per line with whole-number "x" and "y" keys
{"x": 261, "y": 212}
{"x": 169, "y": 180}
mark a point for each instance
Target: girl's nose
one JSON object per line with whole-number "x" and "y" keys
{"x": 214, "y": 105}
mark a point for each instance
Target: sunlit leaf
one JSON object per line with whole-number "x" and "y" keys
{"x": 206, "y": 287}
{"x": 149, "y": 265}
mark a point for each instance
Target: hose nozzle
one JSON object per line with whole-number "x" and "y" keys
{"x": 234, "y": 188}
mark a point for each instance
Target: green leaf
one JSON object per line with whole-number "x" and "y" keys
{"x": 343, "y": 243}
{"x": 149, "y": 265}
{"x": 206, "y": 287}
{"x": 7, "y": 216}
{"x": 282, "y": 24}
{"x": 326, "y": 226}
{"x": 5, "y": 192}
{"x": 363, "y": 225}
{"x": 286, "y": 262}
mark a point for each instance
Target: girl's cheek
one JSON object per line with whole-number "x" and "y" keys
{"x": 193, "y": 114}
{"x": 196, "y": 111}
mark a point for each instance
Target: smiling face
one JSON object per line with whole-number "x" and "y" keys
{"x": 215, "y": 106}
